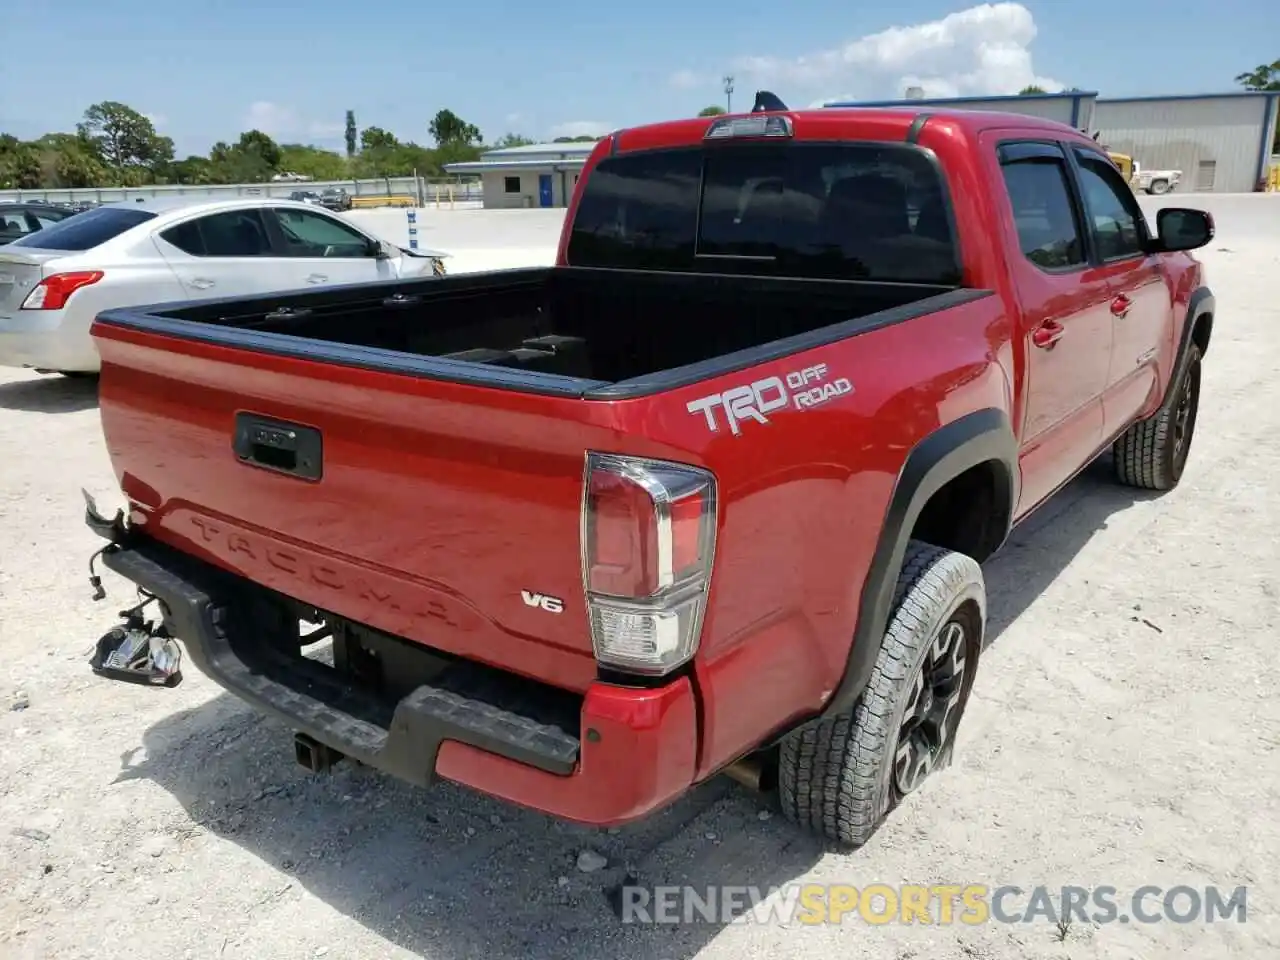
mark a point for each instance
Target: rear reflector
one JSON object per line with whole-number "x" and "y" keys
{"x": 648, "y": 535}
{"x": 52, "y": 293}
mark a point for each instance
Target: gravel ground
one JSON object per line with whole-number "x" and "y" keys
{"x": 1124, "y": 731}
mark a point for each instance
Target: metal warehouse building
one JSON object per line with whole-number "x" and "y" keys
{"x": 1075, "y": 107}
{"x": 1220, "y": 141}
{"x": 537, "y": 175}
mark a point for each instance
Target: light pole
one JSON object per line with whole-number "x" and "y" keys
{"x": 728, "y": 94}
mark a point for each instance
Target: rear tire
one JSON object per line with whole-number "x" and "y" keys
{"x": 843, "y": 775}
{"x": 1152, "y": 453}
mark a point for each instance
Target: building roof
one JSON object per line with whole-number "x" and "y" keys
{"x": 577, "y": 149}
{"x": 1227, "y": 95}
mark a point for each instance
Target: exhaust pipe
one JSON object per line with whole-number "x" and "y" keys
{"x": 749, "y": 772}
{"x": 314, "y": 755}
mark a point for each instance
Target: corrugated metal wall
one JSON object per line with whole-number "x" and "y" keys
{"x": 1049, "y": 108}
{"x": 1215, "y": 142}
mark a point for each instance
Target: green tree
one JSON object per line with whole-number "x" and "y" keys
{"x": 715, "y": 110}
{"x": 313, "y": 162}
{"x": 351, "y": 136}
{"x": 194, "y": 170}
{"x": 20, "y": 167}
{"x": 255, "y": 143}
{"x": 1265, "y": 77}
{"x": 124, "y": 138}
{"x": 70, "y": 160}
{"x": 512, "y": 140}
{"x": 448, "y": 128}
{"x": 1031, "y": 90}
{"x": 585, "y": 138}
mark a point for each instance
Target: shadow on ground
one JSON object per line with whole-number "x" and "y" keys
{"x": 50, "y": 394}
{"x": 452, "y": 874}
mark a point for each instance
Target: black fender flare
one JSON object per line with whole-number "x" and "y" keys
{"x": 980, "y": 437}
{"x": 1200, "y": 303}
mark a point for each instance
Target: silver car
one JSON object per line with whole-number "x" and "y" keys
{"x": 55, "y": 281}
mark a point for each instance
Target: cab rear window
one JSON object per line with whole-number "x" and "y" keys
{"x": 86, "y": 230}
{"x": 837, "y": 211}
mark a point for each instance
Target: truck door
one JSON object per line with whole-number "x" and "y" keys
{"x": 1141, "y": 305}
{"x": 1066, "y": 325}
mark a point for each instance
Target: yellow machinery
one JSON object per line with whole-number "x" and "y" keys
{"x": 1125, "y": 164}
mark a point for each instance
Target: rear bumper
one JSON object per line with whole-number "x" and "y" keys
{"x": 634, "y": 751}
{"x": 42, "y": 340}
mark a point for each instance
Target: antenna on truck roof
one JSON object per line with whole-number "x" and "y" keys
{"x": 767, "y": 101}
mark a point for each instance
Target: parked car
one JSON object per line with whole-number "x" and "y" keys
{"x": 335, "y": 198}
{"x": 19, "y": 218}
{"x": 1157, "y": 182}
{"x": 305, "y": 196}
{"x": 54, "y": 282}
{"x": 708, "y": 496}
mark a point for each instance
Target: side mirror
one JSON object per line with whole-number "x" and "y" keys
{"x": 378, "y": 250}
{"x": 1181, "y": 228}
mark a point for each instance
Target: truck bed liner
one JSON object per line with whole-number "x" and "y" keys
{"x": 562, "y": 330}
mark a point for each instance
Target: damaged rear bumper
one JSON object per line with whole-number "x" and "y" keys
{"x": 633, "y": 750}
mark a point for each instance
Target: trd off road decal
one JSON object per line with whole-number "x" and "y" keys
{"x": 802, "y": 390}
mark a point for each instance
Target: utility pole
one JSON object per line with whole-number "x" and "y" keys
{"x": 728, "y": 93}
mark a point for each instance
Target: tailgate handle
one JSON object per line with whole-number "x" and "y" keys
{"x": 279, "y": 445}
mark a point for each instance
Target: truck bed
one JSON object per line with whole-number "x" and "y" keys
{"x": 556, "y": 330}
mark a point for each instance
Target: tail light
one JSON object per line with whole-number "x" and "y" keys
{"x": 648, "y": 536}
{"x": 52, "y": 293}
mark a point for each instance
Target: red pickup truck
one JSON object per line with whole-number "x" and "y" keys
{"x": 709, "y": 495}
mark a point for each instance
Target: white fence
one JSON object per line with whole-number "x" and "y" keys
{"x": 420, "y": 187}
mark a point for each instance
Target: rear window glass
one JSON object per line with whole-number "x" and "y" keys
{"x": 85, "y": 230}
{"x": 839, "y": 211}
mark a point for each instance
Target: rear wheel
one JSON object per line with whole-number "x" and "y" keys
{"x": 1152, "y": 453}
{"x": 1159, "y": 187}
{"x": 842, "y": 776}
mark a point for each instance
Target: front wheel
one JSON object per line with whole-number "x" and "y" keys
{"x": 1159, "y": 187}
{"x": 1152, "y": 453}
{"x": 843, "y": 775}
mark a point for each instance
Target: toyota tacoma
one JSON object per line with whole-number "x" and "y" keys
{"x": 707, "y": 496}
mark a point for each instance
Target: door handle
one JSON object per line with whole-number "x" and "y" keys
{"x": 1047, "y": 334}
{"x": 317, "y": 278}
{"x": 201, "y": 283}
{"x": 1120, "y": 306}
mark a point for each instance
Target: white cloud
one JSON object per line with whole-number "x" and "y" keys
{"x": 582, "y": 128}
{"x": 281, "y": 121}
{"x": 274, "y": 119}
{"x": 983, "y": 50}
{"x": 688, "y": 79}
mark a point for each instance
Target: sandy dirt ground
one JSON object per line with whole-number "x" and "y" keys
{"x": 1125, "y": 731}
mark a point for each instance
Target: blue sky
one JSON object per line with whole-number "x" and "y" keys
{"x": 205, "y": 70}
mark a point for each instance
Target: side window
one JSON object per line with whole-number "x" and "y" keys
{"x": 235, "y": 233}
{"x": 1115, "y": 218}
{"x": 13, "y": 224}
{"x": 1048, "y": 231}
{"x": 308, "y": 234}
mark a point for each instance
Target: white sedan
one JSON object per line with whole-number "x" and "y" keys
{"x": 55, "y": 281}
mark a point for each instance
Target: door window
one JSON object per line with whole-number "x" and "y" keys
{"x": 1115, "y": 218}
{"x": 1039, "y": 193}
{"x": 308, "y": 234}
{"x": 235, "y": 233}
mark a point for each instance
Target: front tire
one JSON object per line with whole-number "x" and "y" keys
{"x": 1159, "y": 187}
{"x": 1152, "y": 453}
{"x": 843, "y": 775}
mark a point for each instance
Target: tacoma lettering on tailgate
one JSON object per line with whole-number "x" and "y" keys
{"x": 802, "y": 389}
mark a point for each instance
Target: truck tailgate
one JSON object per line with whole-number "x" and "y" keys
{"x": 441, "y": 512}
